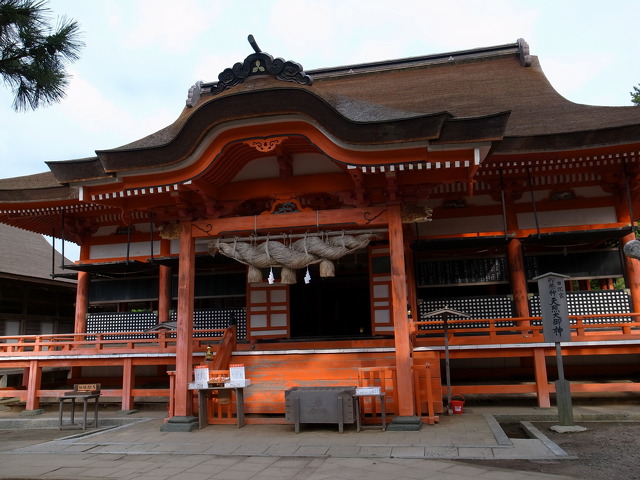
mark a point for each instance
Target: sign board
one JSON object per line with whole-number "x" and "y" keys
{"x": 201, "y": 374}
{"x": 87, "y": 387}
{"x": 197, "y": 385}
{"x": 367, "y": 391}
{"x": 553, "y": 304}
{"x": 237, "y": 383}
{"x": 236, "y": 372}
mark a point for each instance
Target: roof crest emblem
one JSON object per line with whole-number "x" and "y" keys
{"x": 260, "y": 63}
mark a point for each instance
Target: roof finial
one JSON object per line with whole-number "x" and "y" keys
{"x": 252, "y": 42}
{"x": 523, "y": 53}
{"x": 260, "y": 63}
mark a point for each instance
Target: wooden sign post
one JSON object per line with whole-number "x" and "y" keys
{"x": 445, "y": 313}
{"x": 556, "y": 329}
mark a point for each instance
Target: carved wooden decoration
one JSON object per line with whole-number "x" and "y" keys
{"x": 416, "y": 214}
{"x": 265, "y": 144}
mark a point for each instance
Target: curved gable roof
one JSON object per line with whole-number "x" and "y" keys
{"x": 385, "y": 102}
{"x": 178, "y": 143}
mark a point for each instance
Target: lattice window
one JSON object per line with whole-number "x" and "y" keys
{"x": 595, "y": 302}
{"x": 499, "y": 306}
{"x": 211, "y": 319}
{"x": 142, "y": 321}
{"x": 579, "y": 303}
{"x": 121, "y": 322}
{"x": 463, "y": 271}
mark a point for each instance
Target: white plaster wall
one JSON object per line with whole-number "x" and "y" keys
{"x": 538, "y": 195}
{"x": 493, "y": 223}
{"x": 266, "y": 167}
{"x": 136, "y": 228}
{"x": 590, "y": 192}
{"x": 481, "y": 201}
{"x": 202, "y": 245}
{"x": 305, "y": 164}
{"x": 136, "y": 249}
{"x": 560, "y": 218}
{"x": 313, "y": 163}
{"x": 581, "y": 192}
{"x": 104, "y": 231}
{"x": 175, "y": 246}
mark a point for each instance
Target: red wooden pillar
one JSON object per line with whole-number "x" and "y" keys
{"x": 184, "y": 345}
{"x": 404, "y": 361}
{"x": 411, "y": 283}
{"x": 632, "y": 268}
{"x": 542, "y": 382}
{"x": 631, "y": 265}
{"x": 82, "y": 303}
{"x": 33, "y": 385}
{"x": 164, "y": 294}
{"x": 518, "y": 278}
{"x": 128, "y": 381}
{"x": 517, "y": 274}
{"x": 82, "y": 308}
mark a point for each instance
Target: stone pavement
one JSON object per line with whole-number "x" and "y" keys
{"x": 138, "y": 449}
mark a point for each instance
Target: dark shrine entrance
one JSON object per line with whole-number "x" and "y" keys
{"x": 334, "y": 306}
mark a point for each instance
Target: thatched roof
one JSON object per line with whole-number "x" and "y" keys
{"x": 493, "y": 94}
{"x": 26, "y": 256}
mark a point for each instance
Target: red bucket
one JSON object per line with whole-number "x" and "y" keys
{"x": 457, "y": 406}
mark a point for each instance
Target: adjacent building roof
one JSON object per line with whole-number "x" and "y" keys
{"x": 27, "y": 256}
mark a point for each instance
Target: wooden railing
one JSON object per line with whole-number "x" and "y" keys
{"x": 607, "y": 326}
{"x": 94, "y": 343}
{"x": 385, "y": 377}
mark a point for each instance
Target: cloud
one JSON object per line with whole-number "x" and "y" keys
{"x": 108, "y": 123}
{"x": 570, "y": 76}
{"x": 352, "y": 31}
{"x": 165, "y": 25}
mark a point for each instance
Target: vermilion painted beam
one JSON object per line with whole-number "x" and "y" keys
{"x": 344, "y": 218}
{"x": 386, "y": 155}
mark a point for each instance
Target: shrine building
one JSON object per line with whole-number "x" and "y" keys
{"x": 313, "y": 226}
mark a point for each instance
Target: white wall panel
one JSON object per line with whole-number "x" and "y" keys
{"x": 119, "y": 250}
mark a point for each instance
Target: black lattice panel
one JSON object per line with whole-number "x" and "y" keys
{"x": 121, "y": 322}
{"x": 142, "y": 321}
{"x": 595, "y": 302}
{"x": 212, "y": 319}
{"x": 475, "y": 307}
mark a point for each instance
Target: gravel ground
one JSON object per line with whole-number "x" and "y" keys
{"x": 606, "y": 451}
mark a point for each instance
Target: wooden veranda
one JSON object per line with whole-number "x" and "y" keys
{"x": 274, "y": 366}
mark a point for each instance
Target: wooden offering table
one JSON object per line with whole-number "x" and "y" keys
{"x": 356, "y": 399}
{"x": 203, "y": 413}
{"x": 84, "y": 392}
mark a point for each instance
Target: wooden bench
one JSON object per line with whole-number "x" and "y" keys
{"x": 84, "y": 392}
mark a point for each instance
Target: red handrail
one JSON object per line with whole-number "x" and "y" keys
{"x": 90, "y": 343}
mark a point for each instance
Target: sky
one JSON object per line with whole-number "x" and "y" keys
{"x": 141, "y": 56}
